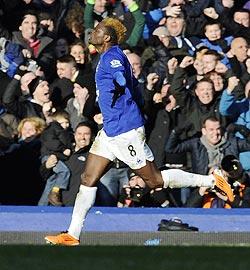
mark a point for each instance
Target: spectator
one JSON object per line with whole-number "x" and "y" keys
{"x": 238, "y": 110}
{"x": 215, "y": 40}
{"x": 56, "y": 148}
{"x": 40, "y": 48}
{"x": 240, "y": 182}
{"x": 204, "y": 103}
{"x": 34, "y": 99}
{"x": 75, "y": 105}
{"x": 208, "y": 150}
{"x": 83, "y": 137}
{"x": 137, "y": 194}
{"x": 234, "y": 25}
{"x": 24, "y": 185}
{"x": 8, "y": 128}
{"x": 137, "y": 20}
{"x": 238, "y": 60}
{"x": 68, "y": 74}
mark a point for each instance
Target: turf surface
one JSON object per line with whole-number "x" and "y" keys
{"x": 120, "y": 258}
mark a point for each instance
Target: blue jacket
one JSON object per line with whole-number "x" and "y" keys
{"x": 214, "y": 46}
{"x": 239, "y": 110}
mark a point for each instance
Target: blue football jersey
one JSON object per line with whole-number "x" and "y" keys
{"x": 124, "y": 114}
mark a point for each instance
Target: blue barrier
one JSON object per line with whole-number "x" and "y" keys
{"x": 111, "y": 219}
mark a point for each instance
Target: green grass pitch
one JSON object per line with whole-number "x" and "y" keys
{"x": 17, "y": 257}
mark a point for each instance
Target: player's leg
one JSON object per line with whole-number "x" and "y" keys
{"x": 85, "y": 199}
{"x": 176, "y": 178}
{"x": 96, "y": 166}
{"x": 173, "y": 178}
{"x": 132, "y": 149}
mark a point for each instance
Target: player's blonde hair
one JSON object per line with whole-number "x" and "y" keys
{"x": 118, "y": 27}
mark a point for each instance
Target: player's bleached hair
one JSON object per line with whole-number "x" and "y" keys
{"x": 118, "y": 28}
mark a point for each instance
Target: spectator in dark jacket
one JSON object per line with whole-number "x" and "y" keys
{"x": 56, "y": 145}
{"x": 208, "y": 150}
{"x": 30, "y": 98}
{"x": 83, "y": 136}
{"x": 24, "y": 185}
{"x": 199, "y": 105}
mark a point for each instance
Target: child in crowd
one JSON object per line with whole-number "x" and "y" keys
{"x": 56, "y": 142}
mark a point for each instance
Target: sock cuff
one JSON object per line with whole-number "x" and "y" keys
{"x": 88, "y": 189}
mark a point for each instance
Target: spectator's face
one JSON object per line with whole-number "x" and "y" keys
{"x": 209, "y": 62}
{"x": 82, "y": 136}
{"x": 61, "y": 48}
{"x": 242, "y": 18}
{"x": 175, "y": 26}
{"x": 77, "y": 52}
{"x": 28, "y": 27}
{"x": 41, "y": 94}
{"x": 64, "y": 123}
{"x": 28, "y": 130}
{"x": 213, "y": 32}
{"x": 205, "y": 92}
{"x": 239, "y": 48}
{"x": 218, "y": 81}
{"x": 212, "y": 132}
{"x": 65, "y": 70}
{"x": 136, "y": 181}
{"x": 135, "y": 62}
{"x": 76, "y": 29}
{"x": 100, "y": 5}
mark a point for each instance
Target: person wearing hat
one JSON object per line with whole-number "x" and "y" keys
{"x": 162, "y": 33}
{"x": 33, "y": 97}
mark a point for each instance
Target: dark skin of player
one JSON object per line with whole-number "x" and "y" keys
{"x": 97, "y": 166}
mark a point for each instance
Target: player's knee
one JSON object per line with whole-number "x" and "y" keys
{"x": 156, "y": 182}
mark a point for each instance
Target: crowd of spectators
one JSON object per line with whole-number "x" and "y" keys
{"x": 192, "y": 62}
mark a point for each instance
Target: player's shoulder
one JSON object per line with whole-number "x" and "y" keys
{"x": 114, "y": 56}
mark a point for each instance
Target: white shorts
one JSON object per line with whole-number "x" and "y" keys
{"x": 129, "y": 147}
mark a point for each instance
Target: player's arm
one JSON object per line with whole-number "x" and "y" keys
{"x": 120, "y": 83}
{"x": 119, "y": 78}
